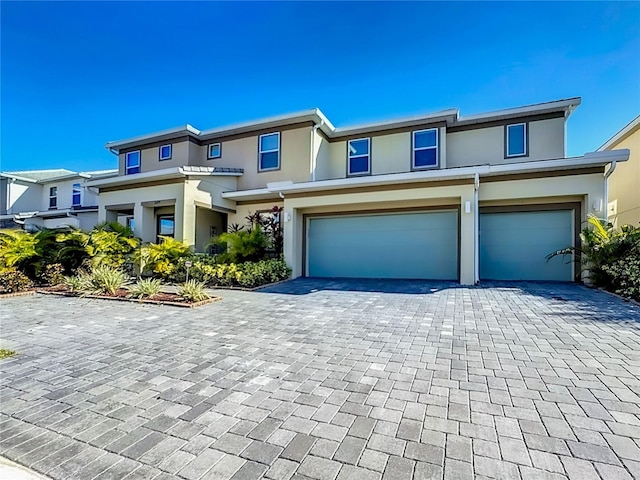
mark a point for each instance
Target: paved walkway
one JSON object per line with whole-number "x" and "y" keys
{"x": 322, "y": 380}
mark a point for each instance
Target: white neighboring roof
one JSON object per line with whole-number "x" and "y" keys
{"x": 567, "y": 105}
{"x": 594, "y": 159}
{"x": 631, "y": 127}
{"x": 52, "y": 175}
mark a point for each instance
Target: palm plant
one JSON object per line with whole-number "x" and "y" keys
{"x": 105, "y": 244}
{"x": 161, "y": 258}
{"x": 243, "y": 245}
{"x": 17, "y": 247}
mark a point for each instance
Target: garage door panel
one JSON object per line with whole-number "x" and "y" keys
{"x": 514, "y": 245}
{"x": 410, "y": 245}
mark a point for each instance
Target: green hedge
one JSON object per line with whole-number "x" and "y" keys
{"x": 248, "y": 274}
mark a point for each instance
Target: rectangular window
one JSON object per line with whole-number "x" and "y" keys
{"x": 516, "y": 140}
{"x": 53, "y": 197}
{"x": 131, "y": 223}
{"x": 359, "y": 157}
{"x": 269, "y": 152}
{"x": 76, "y": 199}
{"x": 166, "y": 226}
{"x": 165, "y": 152}
{"x": 215, "y": 151}
{"x": 425, "y": 148}
{"x": 132, "y": 162}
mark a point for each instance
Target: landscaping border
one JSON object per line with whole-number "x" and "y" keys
{"x": 17, "y": 294}
{"x": 134, "y": 300}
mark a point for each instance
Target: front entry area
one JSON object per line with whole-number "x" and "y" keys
{"x": 407, "y": 245}
{"x": 514, "y": 244}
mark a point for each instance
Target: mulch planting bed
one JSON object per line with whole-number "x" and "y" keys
{"x": 162, "y": 298}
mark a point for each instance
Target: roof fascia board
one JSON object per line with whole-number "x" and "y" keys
{"x": 567, "y": 106}
{"x": 627, "y": 130}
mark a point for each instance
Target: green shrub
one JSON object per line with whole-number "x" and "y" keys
{"x": 145, "y": 288}
{"x": 243, "y": 245}
{"x": 13, "y": 281}
{"x": 248, "y": 274}
{"x": 53, "y": 274}
{"x": 193, "y": 291}
{"x": 255, "y": 274}
{"x": 624, "y": 276}
{"x": 103, "y": 280}
{"x": 612, "y": 256}
{"x": 161, "y": 259}
{"x": 75, "y": 283}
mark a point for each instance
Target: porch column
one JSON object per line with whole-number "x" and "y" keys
{"x": 468, "y": 237}
{"x": 292, "y": 238}
{"x": 105, "y": 215}
{"x": 144, "y": 223}
{"x": 185, "y": 221}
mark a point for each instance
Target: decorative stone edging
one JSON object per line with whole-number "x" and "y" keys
{"x": 134, "y": 300}
{"x": 17, "y": 294}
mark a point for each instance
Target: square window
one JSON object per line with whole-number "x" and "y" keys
{"x": 359, "y": 156}
{"x": 215, "y": 150}
{"x": 425, "y": 148}
{"x": 165, "y": 152}
{"x": 269, "y": 151}
{"x": 516, "y": 140}
{"x": 77, "y": 195}
{"x": 132, "y": 162}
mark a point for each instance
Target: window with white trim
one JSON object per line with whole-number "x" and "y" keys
{"x": 215, "y": 151}
{"x": 269, "y": 152}
{"x": 165, "y": 152}
{"x": 53, "y": 197}
{"x": 425, "y": 149}
{"x": 516, "y": 140}
{"x": 76, "y": 197}
{"x": 132, "y": 162}
{"x": 359, "y": 156}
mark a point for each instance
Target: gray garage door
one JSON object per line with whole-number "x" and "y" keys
{"x": 408, "y": 245}
{"x": 513, "y": 246}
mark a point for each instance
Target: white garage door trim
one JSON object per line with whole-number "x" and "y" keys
{"x": 572, "y": 210}
{"x": 444, "y": 265}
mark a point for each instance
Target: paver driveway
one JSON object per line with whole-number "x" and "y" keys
{"x": 314, "y": 379}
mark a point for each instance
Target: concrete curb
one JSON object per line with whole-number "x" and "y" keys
{"x": 12, "y": 471}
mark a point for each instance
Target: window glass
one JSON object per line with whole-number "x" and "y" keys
{"x": 132, "y": 162}
{"x": 427, "y": 157}
{"x": 269, "y": 146}
{"x": 359, "y": 156}
{"x": 53, "y": 197}
{"x": 165, "y": 152}
{"x": 269, "y": 160}
{"x": 269, "y": 142}
{"x": 215, "y": 150}
{"x": 424, "y": 139}
{"x": 516, "y": 140}
{"x": 425, "y": 148}
{"x": 77, "y": 193}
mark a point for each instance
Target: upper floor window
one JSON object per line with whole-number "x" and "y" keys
{"x": 76, "y": 199}
{"x": 359, "y": 157}
{"x": 165, "y": 152}
{"x": 269, "y": 151}
{"x": 132, "y": 162}
{"x": 516, "y": 140}
{"x": 53, "y": 197}
{"x": 425, "y": 148}
{"x": 215, "y": 151}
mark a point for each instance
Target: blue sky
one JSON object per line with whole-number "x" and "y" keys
{"x": 76, "y": 75}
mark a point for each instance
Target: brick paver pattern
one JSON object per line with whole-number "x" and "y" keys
{"x": 327, "y": 380}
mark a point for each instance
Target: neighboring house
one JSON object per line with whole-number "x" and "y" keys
{"x": 437, "y": 196}
{"x": 36, "y": 199}
{"x": 624, "y": 182}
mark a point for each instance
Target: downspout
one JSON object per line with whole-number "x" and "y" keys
{"x": 313, "y": 150}
{"x": 607, "y": 174}
{"x": 476, "y": 224}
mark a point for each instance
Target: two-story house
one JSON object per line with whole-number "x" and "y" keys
{"x": 436, "y": 196}
{"x": 35, "y": 199}
{"x": 624, "y": 181}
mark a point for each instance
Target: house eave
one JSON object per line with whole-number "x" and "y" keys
{"x": 627, "y": 130}
{"x": 164, "y": 174}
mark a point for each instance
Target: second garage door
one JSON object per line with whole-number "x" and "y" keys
{"x": 514, "y": 245}
{"x": 416, "y": 245}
